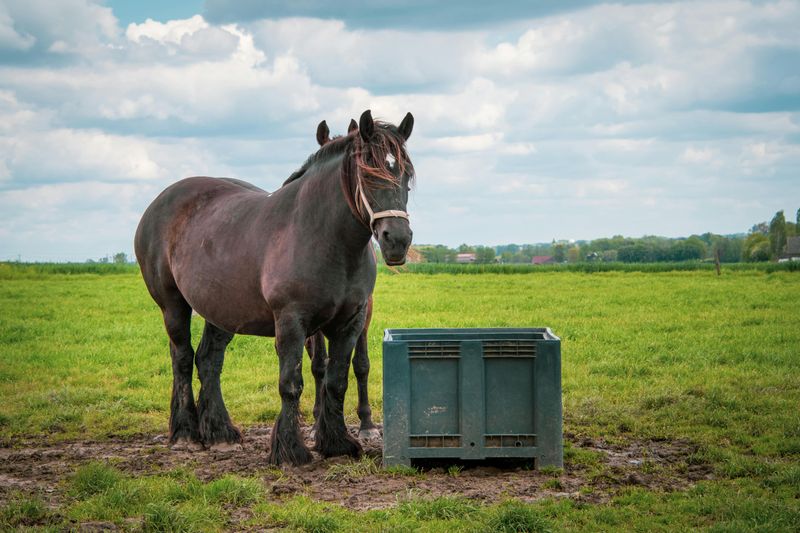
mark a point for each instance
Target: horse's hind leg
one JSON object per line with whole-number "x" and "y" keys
{"x": 368, "y": 430}
{"x": 216, "y": 429}
{"x": 183, "y": 426}
{"x": 315, "y": 345}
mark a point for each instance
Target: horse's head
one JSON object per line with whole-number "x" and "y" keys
{"x": 383, "y": 177}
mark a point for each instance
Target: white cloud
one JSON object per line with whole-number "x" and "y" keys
{"x": 80, "y": 27}
{"x": 697, "y": 155}
{"x": 467, "y": 143}
{"x": 172, "y": 31}
{"x": 9, "y": 36}
{"x": 75, "y": 153}
{"x": 337, "y": 56}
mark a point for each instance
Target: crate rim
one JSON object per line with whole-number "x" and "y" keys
{"x": 397, "y": 334}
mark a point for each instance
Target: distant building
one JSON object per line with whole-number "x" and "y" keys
{"x": 792, "y": 250}
{"x": 542, "y": 259}
{"x": 466, "y": 258}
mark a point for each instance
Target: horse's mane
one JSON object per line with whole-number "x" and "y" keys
{"x": 313, "y": 158}
{"x": 387, "y": 140}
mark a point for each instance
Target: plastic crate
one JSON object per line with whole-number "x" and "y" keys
{"x": 472, "y": 394}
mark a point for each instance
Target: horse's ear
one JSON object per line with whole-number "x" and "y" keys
{"x": 406, "y": 126}
{"x": 366, "y": 126}
{"x": 323, "y": 133}
{"x": 352, "y": 127}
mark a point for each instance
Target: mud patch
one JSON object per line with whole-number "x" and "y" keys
{"x": 595, "y": 470}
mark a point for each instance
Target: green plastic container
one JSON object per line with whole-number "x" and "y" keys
{"x": 472, "y": 394}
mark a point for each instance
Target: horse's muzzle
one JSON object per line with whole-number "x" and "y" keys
{"x": 394, "y": 237}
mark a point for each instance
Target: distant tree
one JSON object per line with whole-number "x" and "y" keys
{"x": 559, "y": 252}
{"x": 574, "y": 254}
{"x": 689, "y": 249}
{"x": 609, "y": 256}
{"x": 777, "y": 234}
{"x": 633, "y": 253}
{"x": 90, "y": 261}
{"x": 103, "y": 260}
{"x": 707, "y": 238}
{"x": 797, "y": 218}
{"x": 484, "y": 254}
{"x": 120, "y": 258}
{"x": 465, "y": 248}
{"x": 756, "y": 248}
{"x": 437, "y": 254}
{"x": 761, "y": 227}
{"x": 729, "y": 249}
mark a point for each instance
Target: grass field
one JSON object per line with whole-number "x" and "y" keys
{"x": 646, "y": 355}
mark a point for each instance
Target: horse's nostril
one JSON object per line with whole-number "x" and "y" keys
{"x": 385, "y": 235}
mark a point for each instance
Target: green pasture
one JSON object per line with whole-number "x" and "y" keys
{"x": 666, "y": 355}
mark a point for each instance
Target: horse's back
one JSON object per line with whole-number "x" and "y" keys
{"x": 164, "y": 222}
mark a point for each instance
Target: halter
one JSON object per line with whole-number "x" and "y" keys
{"x": 373, "y": 216}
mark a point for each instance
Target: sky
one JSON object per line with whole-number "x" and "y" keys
{"x": 534, "y": 121}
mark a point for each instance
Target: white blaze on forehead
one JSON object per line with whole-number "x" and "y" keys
{"x": 390, "y": 159}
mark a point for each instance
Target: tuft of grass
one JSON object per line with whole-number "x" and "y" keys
{"x": 554, "y": 484}
{"x": 580, "y": 456}
{"x": 454, "y": 470}
{"x": 94, "y": 478}
{"x": 173, "y": 501}
{"x": 352, "y": 470}
{"x": 162, "y": 517}
{"x": 300, "y": 513}
{"x": 23, "y": 511}
{"x": 401, "y": 470}
{"x": 443, "y": 508}
{"x": 552, "y": 471}
{"x": 516, "y": 517}
{"x": 234, "y": 490}
{"x": 787, "y": 478}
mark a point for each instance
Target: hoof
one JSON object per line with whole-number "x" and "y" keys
{"x": 185, "y": 445}
{"x": 218, "y": 430}
{"x": 294, "y": 455}
{"x": 335, "y": 445}
{"x": 286, "y": 446}
{"x": 369, "y": 434}
{"x": 226, "y": 447}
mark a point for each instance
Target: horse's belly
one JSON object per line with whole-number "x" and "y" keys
{"x": 233, "y": 322}
{"x": 234, "y": 307}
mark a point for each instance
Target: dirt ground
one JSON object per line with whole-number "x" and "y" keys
{"x": 34, "y": 467}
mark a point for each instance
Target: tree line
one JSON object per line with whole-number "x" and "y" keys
{"x": 764, "y": 242}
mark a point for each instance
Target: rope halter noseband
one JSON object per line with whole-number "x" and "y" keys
{"x": 373, "y": 216}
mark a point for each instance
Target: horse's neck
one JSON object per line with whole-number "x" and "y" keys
{"x": 321, "y": 199}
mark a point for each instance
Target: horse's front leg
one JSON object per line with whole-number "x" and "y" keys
{"x": 286, "y": 444}
{"x": 332, "y": 437}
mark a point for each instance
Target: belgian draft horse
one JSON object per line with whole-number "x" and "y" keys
{"x": 283, "y": 265}
{"x": 315, "y": 345}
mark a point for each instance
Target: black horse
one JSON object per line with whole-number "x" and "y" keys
{"x": 315, "y": 345}
{"x": 286, "y": 265}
